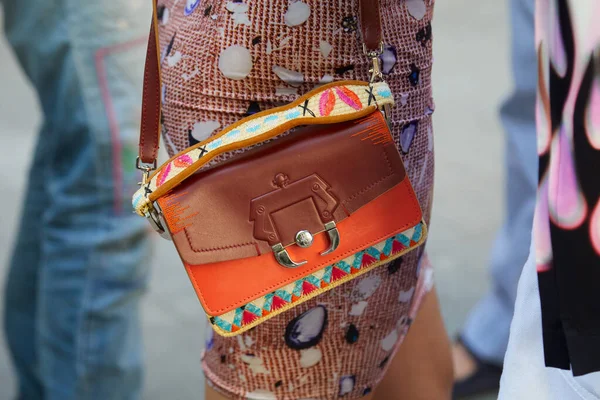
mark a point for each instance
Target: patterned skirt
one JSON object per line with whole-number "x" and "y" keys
{"x": 223, "y": 60}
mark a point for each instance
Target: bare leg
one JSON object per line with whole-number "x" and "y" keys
{"x": 212, "y": 394}
{"x": 422, "y": 368}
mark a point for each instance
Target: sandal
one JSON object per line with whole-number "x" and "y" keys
{"x": 485, "y": 378}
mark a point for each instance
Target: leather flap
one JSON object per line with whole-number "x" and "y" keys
{"x": 267, "y": 195}
{"x": 225, "y": 286}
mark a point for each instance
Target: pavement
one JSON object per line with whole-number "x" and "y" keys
{"x": 471, "y": 77}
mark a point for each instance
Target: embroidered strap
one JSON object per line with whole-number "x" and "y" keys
{"x": 332, "y": 103}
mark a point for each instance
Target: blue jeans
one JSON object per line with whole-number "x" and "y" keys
{"x": 488, "y": 325}
{"x": 78, "y": 269}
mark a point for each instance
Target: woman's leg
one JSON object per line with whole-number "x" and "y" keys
{"x": 212, "y": 394}
{"x": 422, "y": 367}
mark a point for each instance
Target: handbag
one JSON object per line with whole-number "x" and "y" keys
{"x": 319, "y": 197}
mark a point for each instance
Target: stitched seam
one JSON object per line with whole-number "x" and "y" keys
{"x": 231, "y": 246}
{"x": 318, "y": 266}
{"x": 372, "y": 185}
{"x": 319, "y": 291}
{"x": 156, "y": 135}
{"x": 143, "y": 133}
{"x": 142, "y": 136}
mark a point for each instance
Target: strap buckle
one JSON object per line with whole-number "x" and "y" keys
{"x": 153, "y": 212}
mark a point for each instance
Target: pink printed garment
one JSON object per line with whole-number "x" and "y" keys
{"x": 567, "y": 220}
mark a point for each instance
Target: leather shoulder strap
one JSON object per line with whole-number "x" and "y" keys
{"x": 370, "y": 24}
{"x": 150, "y": 127}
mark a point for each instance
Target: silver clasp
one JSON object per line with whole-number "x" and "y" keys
{"x": 157, "y": 221}
{"x": 153, "y": 212}
{"x": 334, "y": 237}
{"x": 304, "y": 239}
{"x": 146, "y": 169}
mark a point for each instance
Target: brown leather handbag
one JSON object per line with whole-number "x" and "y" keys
{"x": 291, "y": 218}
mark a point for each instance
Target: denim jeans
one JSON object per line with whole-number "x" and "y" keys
{"x": 487, "y": 328}
{"x": 78, "y": 269}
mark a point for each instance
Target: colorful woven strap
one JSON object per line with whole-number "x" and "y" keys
{"x": 332, "y": 103}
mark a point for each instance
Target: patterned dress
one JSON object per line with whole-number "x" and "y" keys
{"x": 223, "y": 60}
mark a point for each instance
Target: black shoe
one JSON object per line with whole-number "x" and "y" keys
{"x": 485, "y": 379}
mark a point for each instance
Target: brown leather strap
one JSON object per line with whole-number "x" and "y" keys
{"x": 370, "y": 23}
{"x": 150, "y": 128}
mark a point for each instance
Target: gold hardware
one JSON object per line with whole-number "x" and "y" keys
{"x": 375, "y": 70}
{"x": 377, "y": 76}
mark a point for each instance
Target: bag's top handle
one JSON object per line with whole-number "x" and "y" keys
{"x": 150, "y": 127}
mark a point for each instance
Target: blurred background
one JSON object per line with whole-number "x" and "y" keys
{"x": 471, "y": 77}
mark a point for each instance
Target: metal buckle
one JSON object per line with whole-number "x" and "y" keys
{"x": 153, "y": 212}
{"x": 304, "y": 239}
{"x": 375, "y": 70}
{"x": 369, "y": 53}
{"x": 377, "y": 76}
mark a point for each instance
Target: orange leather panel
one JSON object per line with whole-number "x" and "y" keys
{"x": 224, "y": 286}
